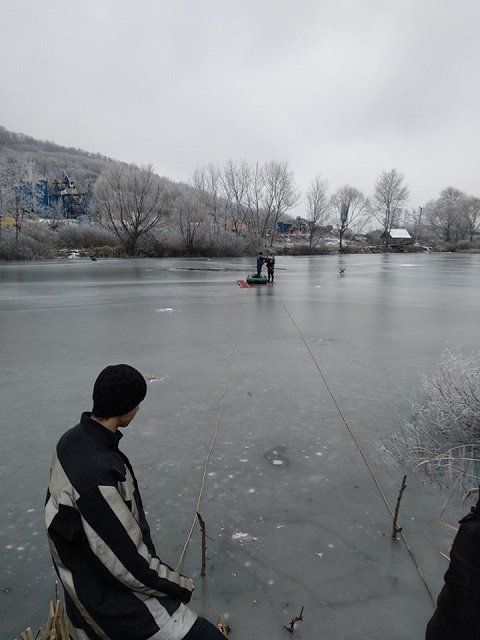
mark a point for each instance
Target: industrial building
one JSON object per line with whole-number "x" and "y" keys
{"x": 46, "y": 199}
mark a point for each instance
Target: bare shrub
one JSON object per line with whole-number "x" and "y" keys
{"x": 467, "y": 245}
{"x": 23, "y": 247}
{"x": 40, "y": 233}
{"x": 442, "y": 437}
{"x": 85, "y": 236}
{"x": 305, "y": 250}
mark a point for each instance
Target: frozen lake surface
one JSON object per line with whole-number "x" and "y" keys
{"x": 290, "y": 504}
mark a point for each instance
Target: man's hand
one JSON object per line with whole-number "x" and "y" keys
{"x": 190, "y": 584}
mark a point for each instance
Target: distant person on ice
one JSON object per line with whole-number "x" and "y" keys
{"x": 260, "y": 261}
{"x": 270, "y": 262}
{"x": 116, "y": 587}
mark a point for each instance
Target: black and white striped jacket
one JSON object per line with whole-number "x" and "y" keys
{"x": 116, "y": 588}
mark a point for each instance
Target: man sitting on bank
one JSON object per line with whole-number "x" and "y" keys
{"x": 116, "y": 587}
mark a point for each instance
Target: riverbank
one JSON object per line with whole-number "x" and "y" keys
{"x": 42, "y": 241}
{"x": 22, "y": 253}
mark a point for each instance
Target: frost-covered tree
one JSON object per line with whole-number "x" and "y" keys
{"x": 256, "y": 196}
{"x": 472, "y": 216}
{"x": 16, "y": 196}
{"x": 350, "y": 209}
{"x": 235, "y": 180}
{"x": 130, "y": 201}
{"x": 388, "y": 200}
{"x": 318, "y": 208}
{"x": 208, "y": 186}
{"x": 189, "y": 221}
{"x": 446, "y": 214}
{"x": 281, "y": 192}
{"x": 258, "y": 211}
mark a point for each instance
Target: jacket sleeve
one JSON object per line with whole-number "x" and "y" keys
{"x": 116, "y": 539}
{"x": 458, "y": 604}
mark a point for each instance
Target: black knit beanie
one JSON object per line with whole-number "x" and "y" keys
{"x": 117, "y": 390}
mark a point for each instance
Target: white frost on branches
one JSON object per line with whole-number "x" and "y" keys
{"x": 442, "y": 438}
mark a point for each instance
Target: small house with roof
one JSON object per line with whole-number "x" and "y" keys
{"x": 397, "y": 237}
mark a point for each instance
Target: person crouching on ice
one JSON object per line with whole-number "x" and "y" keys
{"x": 115, "y": 584}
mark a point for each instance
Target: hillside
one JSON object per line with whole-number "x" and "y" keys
{"x": 50, "y": 159}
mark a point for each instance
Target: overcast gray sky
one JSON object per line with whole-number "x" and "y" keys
{"x": 343, "y": 88}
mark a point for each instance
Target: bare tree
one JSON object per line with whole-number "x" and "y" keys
{"x": 257, "y": 213}
{"x": 318, "y": 208}
{"x": 130, "y": 201}
{"x": 445, "y": 213}
{"x": 189, "y": 221}
{"x": 389, "y": 197}
{"x": 16, "y": 192}
{"x": 235, "y": 179}
{"x": 281, "y": 193}
{"x": 351, "y": 210}
{"x": 472, "y": 216}
{"x": 207, "y": 183}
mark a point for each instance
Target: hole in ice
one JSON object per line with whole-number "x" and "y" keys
{"x": 277, "y": 457}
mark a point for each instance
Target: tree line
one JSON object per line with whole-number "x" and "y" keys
{"x": 250, "y": 199}
{"x": 246, "y": 201}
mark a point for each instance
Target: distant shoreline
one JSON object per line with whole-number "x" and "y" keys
{"x": 369, "y": 251}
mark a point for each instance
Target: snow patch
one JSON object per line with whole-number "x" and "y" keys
{"x": 241, "y": 536}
